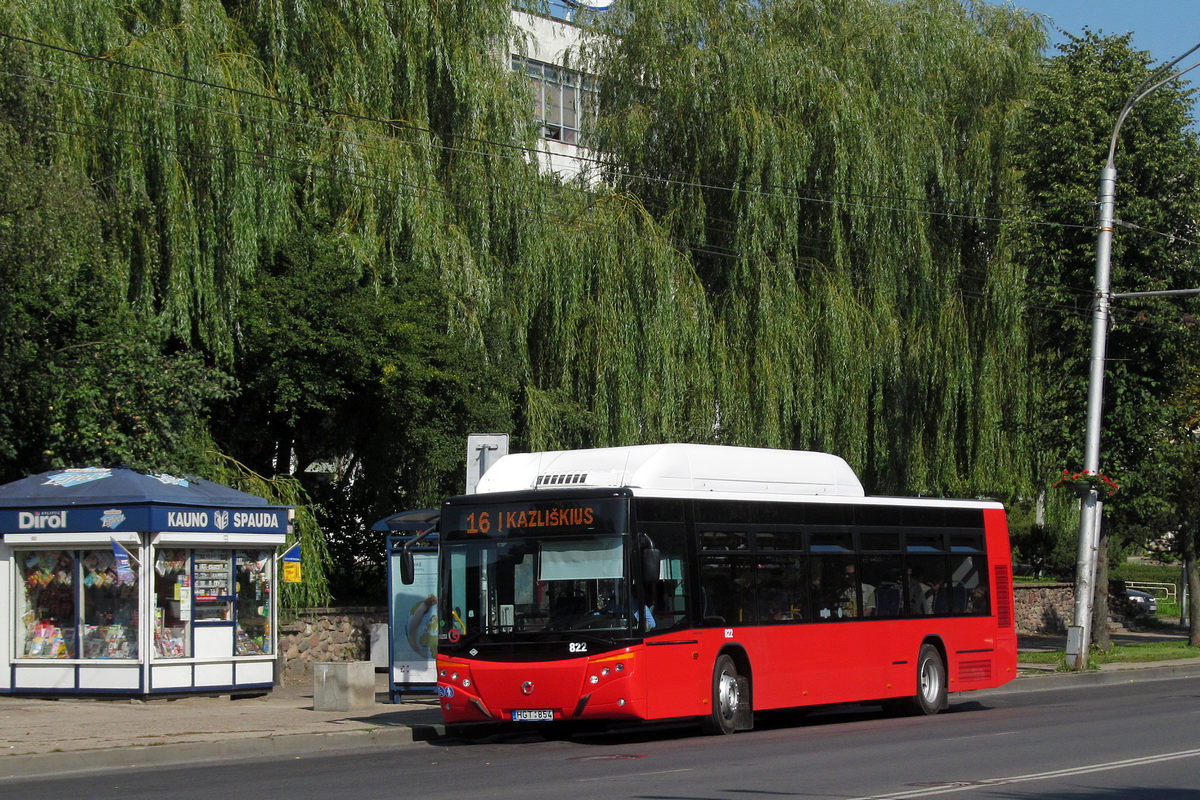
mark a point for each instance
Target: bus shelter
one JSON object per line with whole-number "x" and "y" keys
{"x": 412, "y": 609}
{"x": 114, "y": 581}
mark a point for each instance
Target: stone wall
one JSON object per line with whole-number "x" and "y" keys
{"x": 1045, "y": 608}
{"x": 312, "y": 635}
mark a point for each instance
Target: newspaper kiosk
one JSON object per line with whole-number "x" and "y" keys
{"x": 114, "y": 581}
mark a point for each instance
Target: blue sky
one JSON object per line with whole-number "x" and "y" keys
{"x": 1167, "y": 28}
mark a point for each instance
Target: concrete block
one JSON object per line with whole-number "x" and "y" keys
{"x": 380, "y": 656}
{"x": 343, "y": 685}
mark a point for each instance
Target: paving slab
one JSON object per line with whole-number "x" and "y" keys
{"x": 84, "y": 733}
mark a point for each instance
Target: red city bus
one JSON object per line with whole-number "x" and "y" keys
{"x": 673, "y": 581}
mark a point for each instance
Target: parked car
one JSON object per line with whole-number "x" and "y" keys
{"x": 1142, "y": 604}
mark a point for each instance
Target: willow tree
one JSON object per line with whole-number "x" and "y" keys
{"x": 793, "y": 242}
{"x": 835, "y": 172}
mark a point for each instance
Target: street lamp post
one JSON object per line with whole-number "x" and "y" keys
{"x": 1091, "y": 511}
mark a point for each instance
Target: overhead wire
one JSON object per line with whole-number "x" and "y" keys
{"x": 873, "y": 202}
{"x": 886, "y": 203}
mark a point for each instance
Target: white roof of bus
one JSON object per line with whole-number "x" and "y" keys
{"x": 673, "y": 468}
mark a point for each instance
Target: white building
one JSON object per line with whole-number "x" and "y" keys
{"x": 561, "y": 95}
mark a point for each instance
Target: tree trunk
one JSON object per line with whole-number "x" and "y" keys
{"x": 1193, "y": 584}
{"x": 1101, "y": 639}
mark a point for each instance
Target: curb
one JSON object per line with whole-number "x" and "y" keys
{"x": 1033, "y": 679}
{"x": 297, "y": 744}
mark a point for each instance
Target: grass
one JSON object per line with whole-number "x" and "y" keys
{"x": 1168, "y": 610}
{"x": 1120, "y": 654}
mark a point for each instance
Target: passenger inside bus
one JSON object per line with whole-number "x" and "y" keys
{"x": 889, "y": 595}
{"x": 849, "y": 597}
{"x": 775, "y": 606}
{"x": 918, "y": 594}
{"x": 615, "y": 607}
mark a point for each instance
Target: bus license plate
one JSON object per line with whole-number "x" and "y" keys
{"x": 533, "y": 715}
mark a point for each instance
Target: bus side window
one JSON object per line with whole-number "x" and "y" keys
{"x": 716, "y": 584}
{"x": 727, "y": 584}
{"x": 782, "y": 588}
{"x": 930, "y": 574}
{"x": 667, "y": 595}
{"x": 834, "y": 589}
{"x": 885, "y": 575}
{"x": 969, "y": 579}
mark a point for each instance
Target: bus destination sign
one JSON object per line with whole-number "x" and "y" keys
{"x": 503, "y": 519}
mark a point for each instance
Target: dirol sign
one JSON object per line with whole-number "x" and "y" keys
{"x": 41, "y": 520}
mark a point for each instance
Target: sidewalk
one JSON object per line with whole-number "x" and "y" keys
{"x": 71, "y": 734}
{"x": 1049, "y": 643}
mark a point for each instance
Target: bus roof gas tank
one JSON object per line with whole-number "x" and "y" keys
{"x": 683, "y": 468}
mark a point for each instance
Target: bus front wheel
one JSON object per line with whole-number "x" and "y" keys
{"x": 931, "y": 694}
{"x": 730, "y": 699}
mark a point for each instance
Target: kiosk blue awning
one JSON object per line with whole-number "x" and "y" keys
{"x": 93, "y": 499}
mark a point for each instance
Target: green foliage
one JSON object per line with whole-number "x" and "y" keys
{"x": 308, "y": 234}
{"x": 839, "y": 215}
{"x": 1140, "y": 571}
{"x": 92, "y": 381}
{"x": 1120, "y": 654}
{"x": 1151, "y": 342}
{"x": 284, "y": 490}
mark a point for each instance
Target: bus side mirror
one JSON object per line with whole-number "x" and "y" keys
{"x": 407, "y": 569}
{"x": 651, "y": 563}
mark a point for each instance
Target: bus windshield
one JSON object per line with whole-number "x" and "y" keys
{"x": 503, "y": 590}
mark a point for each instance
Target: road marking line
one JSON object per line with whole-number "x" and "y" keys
{"x": 962, "y": 786}
{"x": 632, "y": 775}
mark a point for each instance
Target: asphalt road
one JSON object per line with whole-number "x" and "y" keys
{"x": 1093, "y": 742}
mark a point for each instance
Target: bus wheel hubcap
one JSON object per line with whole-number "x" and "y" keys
{"x": 929, "y": 682}
{"x": 728, "y": 695}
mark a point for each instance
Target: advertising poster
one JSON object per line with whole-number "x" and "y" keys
{"x": 291, "y": 564}
{"x": 415, "y": 622}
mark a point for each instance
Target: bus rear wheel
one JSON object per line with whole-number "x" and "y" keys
{"x": 931, "y": 696}
{"x": 730, "y": 699}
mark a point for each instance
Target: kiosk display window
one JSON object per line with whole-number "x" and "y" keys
{"x": 46, "y": 604}
{"x": 254, "y": 580}
{"x": 110, "y": 602}
{"x": 213, "y": 589}
{"x": 172, "y": 604}
{"x": 66, "y": 591}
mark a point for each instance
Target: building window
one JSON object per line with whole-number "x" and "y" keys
{"x": 562, "y": 98}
